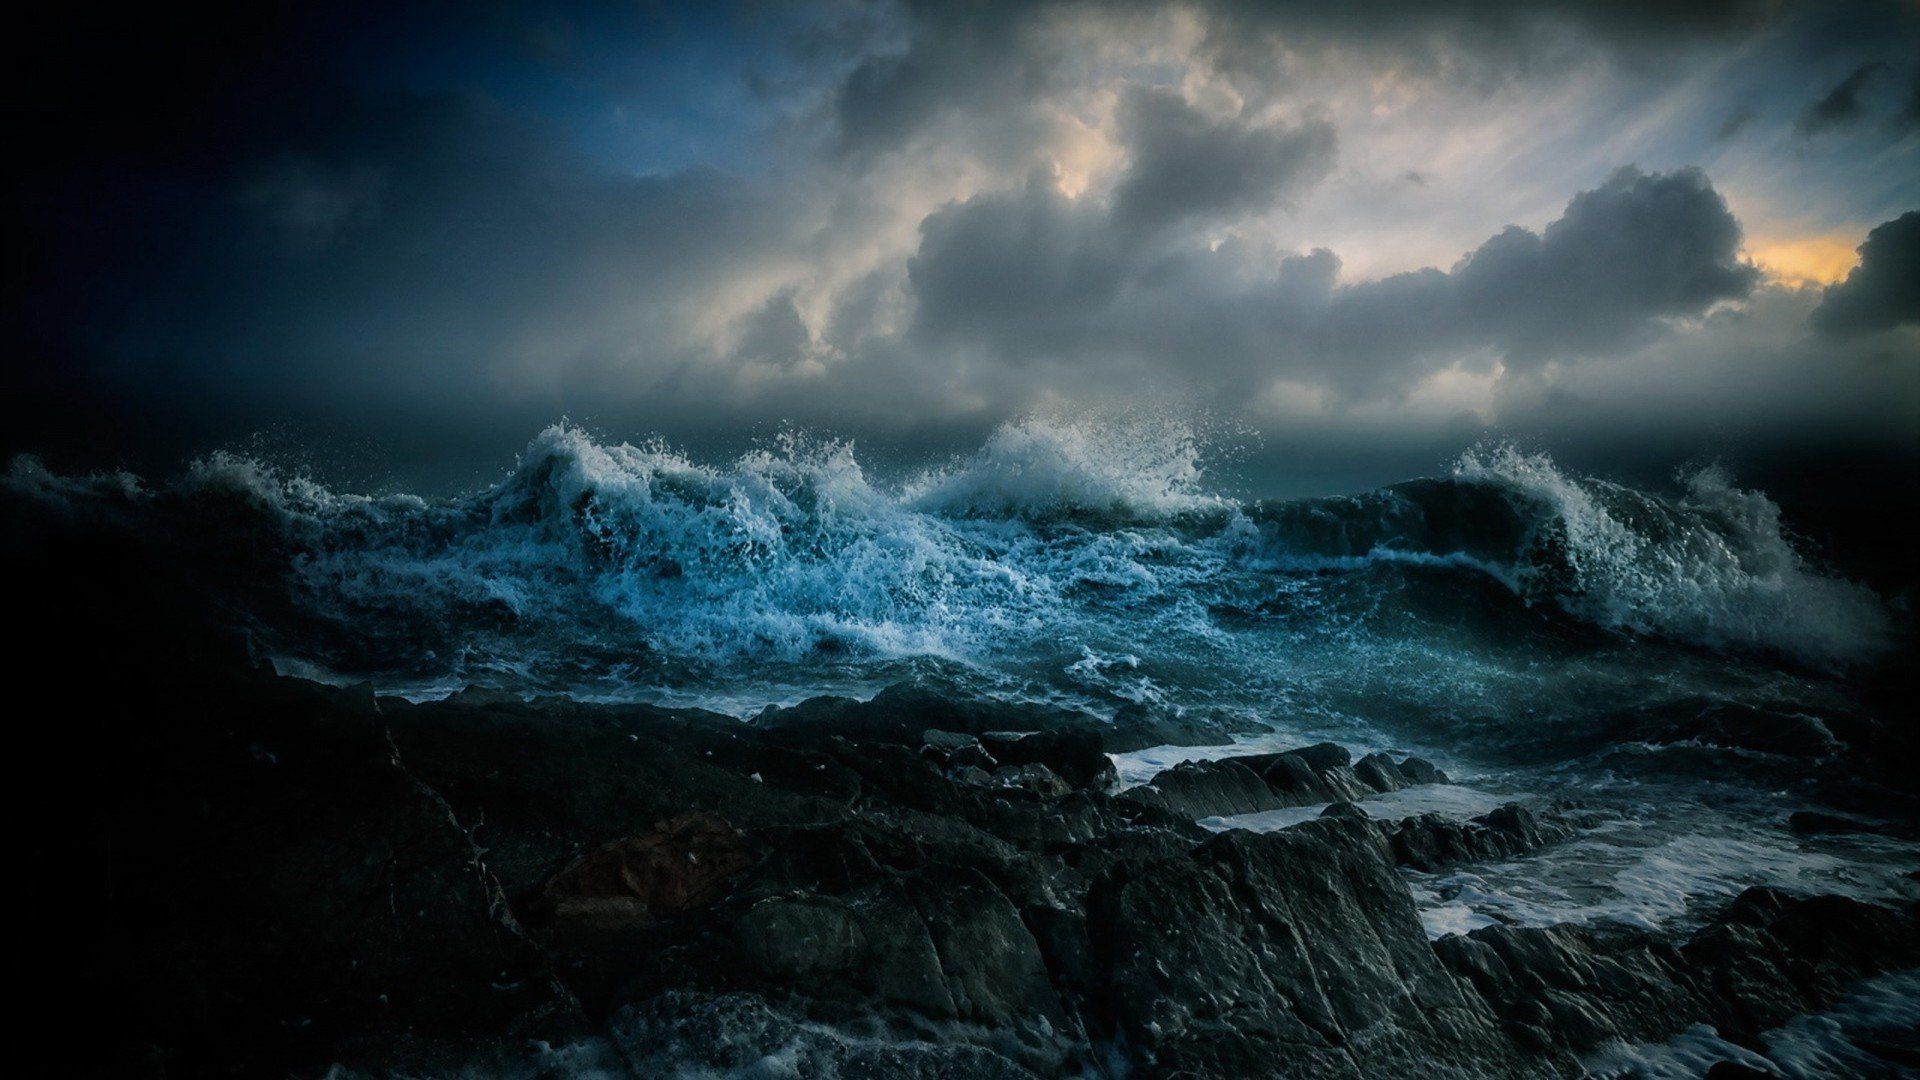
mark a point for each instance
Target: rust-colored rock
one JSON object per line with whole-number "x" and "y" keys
{"x": 677, "y": 865}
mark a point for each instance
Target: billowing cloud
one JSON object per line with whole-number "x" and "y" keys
{"x": 1884, "y": 290}
{"x": 1185, "y": 166}
{"x": 1638, "y": 248}
{"x": 1032, "y": 274}
{"x": 907, "y": 221}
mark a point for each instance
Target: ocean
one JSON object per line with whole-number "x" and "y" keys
{"x": 1673, "y": 672}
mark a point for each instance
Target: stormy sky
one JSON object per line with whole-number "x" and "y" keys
{"x": 1359, "y": 237}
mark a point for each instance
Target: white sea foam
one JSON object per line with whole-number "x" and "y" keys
{"x": 1450, "y": 800}
{"x": 1094, "y": 538}
{"x": 1644, "y": 875}
{"x": 1137, "y": 467}
{"x": 1714, "y": 567}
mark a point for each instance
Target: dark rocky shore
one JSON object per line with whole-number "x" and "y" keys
{"x": 235, "y": 873}
{"x": 288, "y": 876}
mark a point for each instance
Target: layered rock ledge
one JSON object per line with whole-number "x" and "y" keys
{"x": 304, "y": 877}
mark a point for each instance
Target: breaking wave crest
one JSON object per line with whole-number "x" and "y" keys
{"x": 1712, "y": 566}
{"x": 1054, "y": 535}
{"x": 1140, "y": 468}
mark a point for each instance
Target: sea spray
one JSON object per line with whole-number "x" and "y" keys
{"x": 1137, "y": 468}
{"x": 1713, "y": 567}
{"x": 1055, "y": 540}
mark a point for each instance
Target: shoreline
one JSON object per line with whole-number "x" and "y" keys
{"x": 898, "y": 886}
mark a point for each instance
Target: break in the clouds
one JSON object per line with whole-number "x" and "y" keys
{"x": 908, "y": 221}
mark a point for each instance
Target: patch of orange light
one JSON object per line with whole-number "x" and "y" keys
{"x": 1806, "y": 260}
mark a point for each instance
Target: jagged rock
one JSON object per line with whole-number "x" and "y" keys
{"x": 1324, "y": 756}
{"x": 947, "y": 741}
{"x": 1420, "y": 771}
{"x": 1815, "y": 823}
{"x": 673, "y": 867}
{"x": 801, "y": 939}
{"x": 1137, "y": 727}
{"x": 1032, "y": 777}
{"x": 1313, "y": 774}
{"x": 1303, "y": 777}
{"x": 542, "y": 788}
{"x": 957, "y": 754}
{"x": 1574, "y": 986}
{"x": 1296, "y": 953}
{"x": 1771, "y": 956}
{"x": 288, "y": 894}
{"x": 1430, "y": 841}
{"x": 1074, "y": 756}
{"x": 1768, "y": 957}
{"x": 902, "y": 713}
{"x": 1379, "y": 772}
{"x": 989, "y": 960}
{"x": 1198, "y": 789}
{"x": 682, "y": 1033}
{"x": 1717, "y": 723}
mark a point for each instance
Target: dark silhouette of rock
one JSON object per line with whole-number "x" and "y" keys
{"x": 1137, "y": 726}
{"x": 1767, "y": 958}
{"x": 1430, "y": 841}
{"x": 1296, "y": 953}
{"x": 1783, "y": 731}
{"x": 1198, "y": 789}
{"x": 1816, "y": 823}
{"x": 1420, "y": 771}
{"x": 1380, "y": 772}
{"x": 1075, "y": 756}
{"x": 1313, "y": 774}
{"x": 677, "y": 865}
{"x": 1250, "y": 783}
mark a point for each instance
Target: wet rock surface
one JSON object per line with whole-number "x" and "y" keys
{"x": 1431, "y": 841}
{"x": 318, "y": 877}
{"x": 1767, "y": 958}
{"x": 1323, "y": 773}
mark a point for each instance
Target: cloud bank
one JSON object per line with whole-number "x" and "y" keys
{"x": 907, "y": 222}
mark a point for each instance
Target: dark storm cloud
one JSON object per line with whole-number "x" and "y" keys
{"x": 404, "y": 243}
{"x": 1034, "y": 275}
{"x": 1839, "y": 106}
{"x": 1184, "y": 166}
{"x": 1884, "y": 290}
{"x": 1638, "y": 248}
{"x": 465, "y": 311}
{"x": 1909, "y": 114}
{"x": 1023, "y": 270}
{"x": 980, "y": 58}
{"x": 1504, "y": 36}
{"x": 1001, "y": 57}
{"x": 457, "y": 222}
{"x": 775, "y": 334}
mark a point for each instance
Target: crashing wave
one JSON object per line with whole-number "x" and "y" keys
{"x": 1054, "y": 535}
{"x": 1118, "y": 469}
{"x": 1712, "y": 567}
